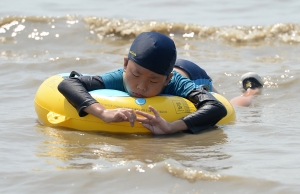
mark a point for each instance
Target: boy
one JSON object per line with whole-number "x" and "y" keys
{"x": 147, "y": 72}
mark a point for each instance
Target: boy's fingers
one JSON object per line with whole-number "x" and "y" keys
{"x": 156, "y": 114}
{"x": 131, "y": 116}
{"x": 143, "y": 113}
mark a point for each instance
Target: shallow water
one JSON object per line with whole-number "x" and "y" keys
{"x": 257, "y": 154}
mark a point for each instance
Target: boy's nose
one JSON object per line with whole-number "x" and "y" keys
{"x": 141, "y": 86}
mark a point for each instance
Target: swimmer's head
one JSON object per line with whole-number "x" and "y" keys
{"x": 154, "y": 51}
{"x": 251, "y": 80}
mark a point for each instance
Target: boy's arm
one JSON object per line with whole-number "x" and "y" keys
{"x": 76, "y": 90}
{"x": 209, "y": 111}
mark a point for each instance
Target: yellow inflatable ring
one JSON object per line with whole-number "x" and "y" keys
{"x": 54, "y": 110}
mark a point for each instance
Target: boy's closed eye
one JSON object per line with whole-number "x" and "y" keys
{"x": 135, "y": 74}
{"x": 154, "y": 81}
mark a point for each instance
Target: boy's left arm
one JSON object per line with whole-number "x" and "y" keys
{"x": 209, "y": 112}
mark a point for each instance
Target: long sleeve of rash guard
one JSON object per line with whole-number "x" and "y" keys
{"x": 76, "y": 90}
{"x": 209, "y": 111}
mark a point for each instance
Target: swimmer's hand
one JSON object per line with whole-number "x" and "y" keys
{"x": 158, "y": 125}
{"x": 112, "y": 115}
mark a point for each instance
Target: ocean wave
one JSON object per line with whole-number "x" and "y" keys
{"x": 105, "y": 28}
{"x": 286, "y": 33}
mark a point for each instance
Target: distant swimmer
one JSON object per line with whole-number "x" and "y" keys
{"x": 252, "y": 84}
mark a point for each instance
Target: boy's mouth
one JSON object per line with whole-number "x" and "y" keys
{"x": 136, "y": 95}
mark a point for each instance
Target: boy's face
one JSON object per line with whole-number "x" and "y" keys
{"x": 141, "y": 82}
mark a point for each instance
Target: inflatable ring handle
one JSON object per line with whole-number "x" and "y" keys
{"x": 73, "y": 73}
{"x": 55, "y": 118}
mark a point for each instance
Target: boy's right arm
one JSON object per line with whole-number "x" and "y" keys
{"x": 76, "y": 91}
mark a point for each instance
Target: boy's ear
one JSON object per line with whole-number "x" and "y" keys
{"x": 125, "y": 62}
{"x": 169, "y": 77}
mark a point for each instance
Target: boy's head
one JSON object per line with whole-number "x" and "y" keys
{"x": 154, "y": 51}
{"x": 148, "y": 68}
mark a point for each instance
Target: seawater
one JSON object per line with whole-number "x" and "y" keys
{"x": 257, "y": 154}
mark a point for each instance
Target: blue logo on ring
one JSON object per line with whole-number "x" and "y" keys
{"x": 140, "y": 101}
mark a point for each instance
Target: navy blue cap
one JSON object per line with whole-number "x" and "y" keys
{"x": 154, "y": 51}
{"x": 193, "y": 70}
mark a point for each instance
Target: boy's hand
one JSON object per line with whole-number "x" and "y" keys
{"x": 155, "y": 123}
{"x": 111, "y": 115}
{"x": 119, "y": 115}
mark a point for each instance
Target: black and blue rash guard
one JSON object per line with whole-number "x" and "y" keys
{"x": 209, "y": 109}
